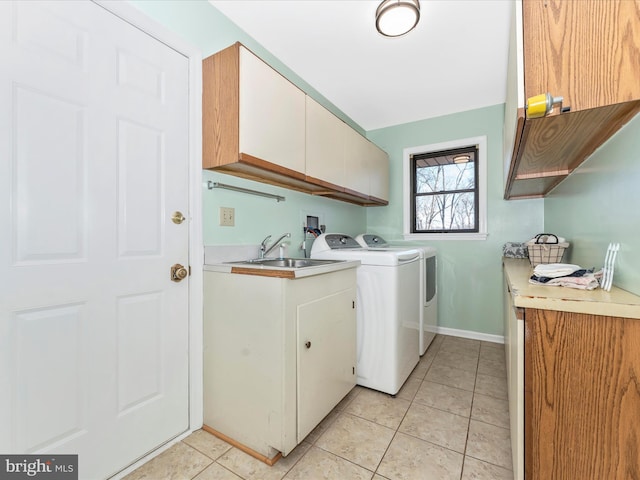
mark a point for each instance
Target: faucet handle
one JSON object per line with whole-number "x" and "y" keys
{"x": 264, "y": 242}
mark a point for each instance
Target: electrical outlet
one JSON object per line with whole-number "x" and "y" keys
{"x": 227, "y": 216}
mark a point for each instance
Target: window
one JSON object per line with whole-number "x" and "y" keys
{"x": 445, "y": 190}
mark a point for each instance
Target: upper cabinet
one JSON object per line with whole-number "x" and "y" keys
{"x": 325, "y": 145}
{"x": 258, "y": 125}
{"x": 367, "y": 168}
{"x": 358, "y": 158}
{"x": 272, "y": 114}
{"x": 353, "y": 168}
{"x": 378, "y": 173}
{"x": 585, "y": 52}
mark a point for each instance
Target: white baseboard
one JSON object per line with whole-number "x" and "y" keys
{"x": 485, "y": 337}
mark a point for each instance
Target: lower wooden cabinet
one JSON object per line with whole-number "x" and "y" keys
{"x": 581, "y": 396}
{"x": 573, "y": 372}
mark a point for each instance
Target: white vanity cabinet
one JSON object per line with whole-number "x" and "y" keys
{"x": 279, "y": 354}
{"x": 326, "y": 356}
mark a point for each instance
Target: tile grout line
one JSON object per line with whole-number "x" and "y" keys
{"x": 443, "y": 348}
{"x": 473, "y": 397}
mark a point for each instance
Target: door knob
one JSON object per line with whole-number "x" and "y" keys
{"x": 177, "y": 218}
{"x": 307, "y": 344}
{"x": 178, "y": 273}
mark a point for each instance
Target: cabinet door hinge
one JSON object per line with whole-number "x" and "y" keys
{"x": 353, "y": 370}
{"x": 189, "y": 270}
{"x": 353, "y": 304}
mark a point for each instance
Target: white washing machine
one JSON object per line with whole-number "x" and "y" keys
{"x": 428, "y": 301}
{"x": 387, "y": 307}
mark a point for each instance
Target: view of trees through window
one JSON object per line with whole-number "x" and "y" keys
{"x": 445, "y": 191}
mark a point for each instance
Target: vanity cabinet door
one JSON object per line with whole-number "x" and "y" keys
{"x": 326, "y": 336}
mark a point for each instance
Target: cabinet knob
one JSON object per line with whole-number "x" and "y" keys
{"x": 307, "y": 344}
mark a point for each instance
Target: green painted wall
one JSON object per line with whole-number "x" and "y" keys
{"x": 257, "y": 217}
{"x": 199, "y": 23}
{"x": 470, "y": 277}
{"x": 599, "y": 203}
{"x": 470, "y": 272}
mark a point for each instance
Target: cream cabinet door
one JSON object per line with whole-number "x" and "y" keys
{"x": 356, "y": 162}
{"x": 378, "y": 173}
{"x": 326, "y": 356}
{"x": 272, "y": 115}
{"x": 325, "y": 144}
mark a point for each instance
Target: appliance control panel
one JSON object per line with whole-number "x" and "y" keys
{"x": 375, "y": 241}
{"x": 339, "y": 240}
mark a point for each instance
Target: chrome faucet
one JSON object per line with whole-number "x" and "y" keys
{"x": 264, "y": 250}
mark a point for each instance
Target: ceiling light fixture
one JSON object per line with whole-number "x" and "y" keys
{"x": 397, "y": 17}
{"x": 461, "y": 158}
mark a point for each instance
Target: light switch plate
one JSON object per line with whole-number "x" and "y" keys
{"x": 227, "y": 216}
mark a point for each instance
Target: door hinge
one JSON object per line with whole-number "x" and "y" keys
{"x": 353, "y": 304}
{"x": 189, "y": 270}
{"x": 353, "y": 370}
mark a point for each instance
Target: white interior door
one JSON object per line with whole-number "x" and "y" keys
{"x": 93, "y": 162}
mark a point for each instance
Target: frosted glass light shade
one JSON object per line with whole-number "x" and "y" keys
{"x": 397, "y": 17}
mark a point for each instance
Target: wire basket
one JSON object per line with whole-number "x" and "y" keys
{"x": 543, "y": 249}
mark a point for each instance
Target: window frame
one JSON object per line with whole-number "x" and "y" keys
{"x": 407, "y": 190}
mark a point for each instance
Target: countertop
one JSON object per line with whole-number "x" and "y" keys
{"x": 616, "y": 303}
{"x": 280, "y": 272}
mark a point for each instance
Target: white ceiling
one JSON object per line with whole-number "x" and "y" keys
{"x": 455, "y": 59}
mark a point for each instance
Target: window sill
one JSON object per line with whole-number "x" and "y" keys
{"x": 445, "y": 236}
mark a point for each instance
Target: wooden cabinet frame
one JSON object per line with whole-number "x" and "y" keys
{"x": 221, "y": 144}
{"x": 582, "y": 51}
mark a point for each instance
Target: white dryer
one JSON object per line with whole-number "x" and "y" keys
{"x": 428, "y": 322}
{"x": 387, "y": 307}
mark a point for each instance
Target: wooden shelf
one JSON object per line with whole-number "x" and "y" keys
{"x": 552, "y": 147}
{"x": 582, "y": 51}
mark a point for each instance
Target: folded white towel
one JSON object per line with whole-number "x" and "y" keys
{"x": 586, "y": 282}
{"x": 553, "y": 270}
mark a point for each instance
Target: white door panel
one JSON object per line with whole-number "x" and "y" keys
{"x": 93, "y": 162}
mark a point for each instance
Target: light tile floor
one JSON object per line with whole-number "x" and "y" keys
{"x": 450, "y": 420}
